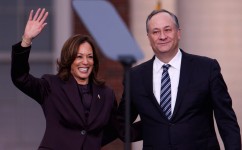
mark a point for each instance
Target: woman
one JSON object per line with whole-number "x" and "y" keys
{"x": 77, "y": 106}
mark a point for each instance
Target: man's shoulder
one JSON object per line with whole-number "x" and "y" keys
{"x": 143, "y": 65}
{"x": 196, "y": 57}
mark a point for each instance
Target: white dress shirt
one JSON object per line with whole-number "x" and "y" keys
{"x": 174, "y": 73}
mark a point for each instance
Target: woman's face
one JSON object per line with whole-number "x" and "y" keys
{"x": 82, "y": 66}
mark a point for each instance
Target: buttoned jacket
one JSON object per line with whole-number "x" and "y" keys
{"x": 66, "y": 125}
{"x": 202, "y": 98}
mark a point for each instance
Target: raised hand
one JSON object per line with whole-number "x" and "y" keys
{"x": 34, "y": 26}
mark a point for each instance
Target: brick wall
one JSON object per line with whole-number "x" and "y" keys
{"x": 111, "y": 71}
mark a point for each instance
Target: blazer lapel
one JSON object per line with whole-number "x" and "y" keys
{"x": 98, "y": 100}
{"x": 148, "y": 77}
{"x": 148, "y": 83}
{"x": 185, "y": 76}
{"x": 71, "y": 90}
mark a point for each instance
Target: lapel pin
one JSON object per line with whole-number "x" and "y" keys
{"x": 98, "y": 96}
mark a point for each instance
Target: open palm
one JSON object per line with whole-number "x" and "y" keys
{"x": 35, "y": 24}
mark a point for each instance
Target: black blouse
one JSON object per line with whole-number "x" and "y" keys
{"x": 86, "y": 97}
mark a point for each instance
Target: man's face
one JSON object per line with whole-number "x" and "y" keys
{"x": 163, "y": 35}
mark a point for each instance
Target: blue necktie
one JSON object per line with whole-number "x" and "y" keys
{"x": 165, "y": 93}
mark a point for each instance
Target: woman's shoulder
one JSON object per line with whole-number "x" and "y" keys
{"x": 51, "y": 78}
{"x": 104, "y": 87}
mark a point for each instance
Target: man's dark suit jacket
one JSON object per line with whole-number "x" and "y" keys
{"x": 202, "y": 93}
{"x": 66, "y": 128}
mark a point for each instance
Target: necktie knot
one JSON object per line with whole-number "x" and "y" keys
{"x": 166, "y": 67}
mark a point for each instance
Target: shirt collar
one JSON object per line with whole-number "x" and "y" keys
{"x": 175, "y": 62}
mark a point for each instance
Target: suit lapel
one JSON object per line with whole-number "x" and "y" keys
{"x": 148, "y": 83}
{"x": 185, "y": 76}
{"x": 148, "y": 77}
{"x": 98, "y": 100}
{"x": 71, "y": 90}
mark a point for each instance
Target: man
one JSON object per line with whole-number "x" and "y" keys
{"x": 176, "y": 95}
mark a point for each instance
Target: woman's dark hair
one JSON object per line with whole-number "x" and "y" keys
{"x": 69, "y": 53}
